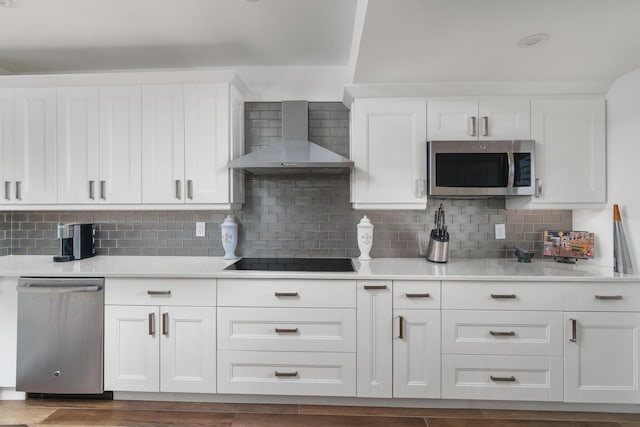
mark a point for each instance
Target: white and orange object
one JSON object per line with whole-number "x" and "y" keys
{"x": 621, "y": 257}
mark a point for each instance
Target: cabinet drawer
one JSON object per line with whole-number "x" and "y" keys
{"x": 287, "y": 329}
{"x": 286, "y": 293}
{"x": 602, "y": 297}
{"x": 480, "y": 295}
{"x": 416, "y": 294}
{"x": 197, "y": 292}
{"x": 502, "y": 377}
{"x": 309, "y": 374}
{"x": 531, "y": 333}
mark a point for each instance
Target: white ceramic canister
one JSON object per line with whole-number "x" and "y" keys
{"x": 229, "y": 237}
{"x": 365, "y": 238}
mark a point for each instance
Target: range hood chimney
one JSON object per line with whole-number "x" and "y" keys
{"x": 295, "y": 154}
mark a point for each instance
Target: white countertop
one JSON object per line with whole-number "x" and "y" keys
{"x": 381, "y": 268}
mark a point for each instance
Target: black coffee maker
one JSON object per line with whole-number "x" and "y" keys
{"x": 77, "y": 241}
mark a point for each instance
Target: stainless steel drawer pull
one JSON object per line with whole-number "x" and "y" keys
{"x": 165, "y": 323}
{"x": 7, "y": 190}
{"x": 286, "y": 294}
{"x": 374, "y": 287}
{"x": 178, "y": 189}
{"x": 159, "y": 293}
{"x": 103, "y": 190}
{"x": 417, "y": 295}
{"x": 401, "y": 334}
{"x": 18, "y": 190}
{"x": 190, "y": 189}
{"x": 485, "y": 126}
{"x": 609, "y": 297}
{"x": 152, "y": 324}
{"x": 503, "y": 296}
{"x": 286, "y": 330}
{"x": 502, "y": 334}
{"x": 287, "y": 374}
{"x": 574, "y": 330}
{"x": 510, "y": 379}
{"x": 92, "y": 193}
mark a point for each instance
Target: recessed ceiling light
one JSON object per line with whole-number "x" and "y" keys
{"x": 7, "y": 3}
{"x": 533, "y": 40}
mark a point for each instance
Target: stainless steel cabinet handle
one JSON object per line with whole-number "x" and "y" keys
{"x": 417, "y": 295}
{"x": 286, "y": 294}
{"x": 502, "y": 334}
{"x": 165, "y": 323}
{"x": 178, "y": 189}
{"x": 286, "y": 330}
{"x": 159, "y": 293}
{"x": 503, "y": 296}
{"x": 401, "y": 333}
{"x": 374, "y": 287}
{"x": 103, "y": 190}
{"x": 609, "y": 297}
{"x": 152, "y": 324}
{"x": 286, "y": 374}
{"x": 7, "y": 190}
{"x": 18, "y": 190}
{"x": 574, "y": 330}
{"x": 485, "y": 126}
{"x": 510, "y": 379}
{"x": 538, "y": 192}
{"x": 190, "y": 189}
{"x": 421, "y": 185}
{"x": 92, "y": 195}
{"x": 472, "y": 127}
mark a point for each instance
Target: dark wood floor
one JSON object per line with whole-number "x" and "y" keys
{"x": 141, "y": 414}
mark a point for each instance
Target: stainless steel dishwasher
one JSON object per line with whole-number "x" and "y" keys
{"x": 60, "y": 335}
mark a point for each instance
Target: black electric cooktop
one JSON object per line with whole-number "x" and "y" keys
{"x": 293, "y": 264}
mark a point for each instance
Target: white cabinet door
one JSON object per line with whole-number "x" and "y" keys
{"x": 120, "y": 145}
{"x": 570, "y": 149}
{"x": 452, "y": 119}
{"x": 237, "y": 143}
{"x": 35, "y": 146}
{"x": 374, "y": 351}
{"x": 388, "y": 148}
{"x": 163, "y": 144}
{"x": 8, "y": 331}
{"x": 207, "y": 143}
{"x": 78, "y": 145}
{"x": 484, "y": 118}
{"x": 188, "y": 349}
{"x": 416, "y": 354}
{"x": 7, "y": 109}
{"x": 504, "y": 119}
{"x": 601, "y": 360}
{"x": 131, "y": 342}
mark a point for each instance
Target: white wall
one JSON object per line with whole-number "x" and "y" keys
{"x": 623, "y": 168}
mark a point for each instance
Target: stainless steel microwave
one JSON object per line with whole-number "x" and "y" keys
{"x": 481, "y": 168}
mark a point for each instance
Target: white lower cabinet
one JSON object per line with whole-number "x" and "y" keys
{"x": 416, "y": 354}
{"x": 287, "y": 337}
{"x": 375, "y": 346}
{"x": 602, "y": 363}
{"x": 8, "y": 331}
{"x": 501, "y": 377}
{"x": 169, "y": 349}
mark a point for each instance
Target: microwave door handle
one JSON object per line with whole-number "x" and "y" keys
{"x": 512, "y": 169}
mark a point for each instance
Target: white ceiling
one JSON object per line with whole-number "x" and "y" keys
{"x": 70, "y": 35}
{"x": 475, "y": 40}
{"x": 399, "y": 41}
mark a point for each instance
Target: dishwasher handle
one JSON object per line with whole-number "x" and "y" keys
{"x": 57, "y": 289}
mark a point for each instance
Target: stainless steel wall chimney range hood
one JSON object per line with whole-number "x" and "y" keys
{"x": 295, "y": 154}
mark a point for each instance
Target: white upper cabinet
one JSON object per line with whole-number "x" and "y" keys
{"x": 99, "y": 145}
{"x": 162, "y": 144}
{"x": 570, "y": 149}
{"x": 7, "y": 126}
{"x": 471, "y": 119}
{"x": 388, "y": 147}
{"x": 188, "y": 137}
{"x": 34, "y": 152}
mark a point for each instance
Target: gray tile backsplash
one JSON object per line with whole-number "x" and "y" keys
{"x": 291, "y": 216}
